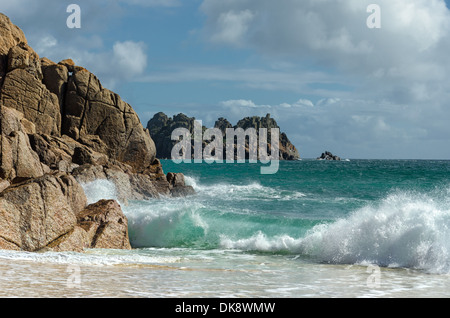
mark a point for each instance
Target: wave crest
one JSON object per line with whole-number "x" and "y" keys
{"x": 404, "y": 230}
{"x": 250, "y": 191}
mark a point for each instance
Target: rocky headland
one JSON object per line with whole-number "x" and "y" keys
{"x": 60, "y": 128}
{"x": 161, "y": 127}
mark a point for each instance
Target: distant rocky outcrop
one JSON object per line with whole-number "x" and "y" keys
{"x": 329, "y": 156}
{"x": 161, "y": 127}
{"x": 60, "y": 127}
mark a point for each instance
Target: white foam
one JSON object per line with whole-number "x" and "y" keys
{"x": 100, "y": 189}
{"x": 90, "y": 258}
{"x": 191, "y": 181}
{"x": 243, "y": 192}
{"x": 403, "y": 230}
{"x": 260, "y": 242}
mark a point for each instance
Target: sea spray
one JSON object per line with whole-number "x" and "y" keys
{"x": 202, "y": 221}
{"x": 410, "y": 230}
{"x": 262, "y": 243}
{"x": 392, "y": 228}
{"x": 242, "y": 192}
{"x": 100, "y": 189}
{"x": 315, "y": 229}
{"x": 403, "y": 230}
{"x": 165, "y": 223}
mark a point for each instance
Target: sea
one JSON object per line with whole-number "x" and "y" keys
{"x": 315, "y": 229}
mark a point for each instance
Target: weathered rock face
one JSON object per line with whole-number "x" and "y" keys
{"x": 161, "y": 128}
{"x": 55, "y": 78}
{"x": 10, "y": 36}
{"x": 18, "y": 160}
{"x": 23, "y": 57}
{"x": 91, "y": 110}
{"x": 34, "y": 214}
{"x": 105, "y": 225}
{"x": 59, "y": 127}
{"x": 24, "y": 92}
{"x": 48, "y": 213}
{"x": 22, "y": 88}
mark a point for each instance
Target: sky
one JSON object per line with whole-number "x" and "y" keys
{"x": 331, "y": 82}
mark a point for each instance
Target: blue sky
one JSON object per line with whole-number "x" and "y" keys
{"x": 331, "y": 82}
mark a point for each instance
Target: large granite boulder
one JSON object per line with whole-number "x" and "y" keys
{"x": 178, "y": 185}
{"x": 50, "y": 213}
{"x": 105, "y": 225}
{"x": 40, "y": 211}
{"x": 24, "y": 57}
{"x": 22, "y": 91}
{"x": 59, "y": 127}
{"x": 10, "y": 36}
{"x": 18, "y": 160}
{"x": 21, "y": 80}
{"x": 89, "y": 109}
{"x": 55, "y": 78}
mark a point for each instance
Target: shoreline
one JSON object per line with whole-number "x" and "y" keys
{"x": 45, "y": 279}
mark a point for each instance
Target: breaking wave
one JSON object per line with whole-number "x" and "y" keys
{"x": 404, "y": 229}
{"x": 408, "y": 230}
{"x": 242, "y": 192}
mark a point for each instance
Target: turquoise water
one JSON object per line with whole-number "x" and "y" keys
{"x": 355, "y": 228}
{"x": 390, "y": 213}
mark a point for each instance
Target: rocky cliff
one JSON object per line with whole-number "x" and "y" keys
{"x": 161, "y": 128}
{"x": 60, "y": 127}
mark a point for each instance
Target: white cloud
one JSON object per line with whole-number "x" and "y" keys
{"x": 293, "y": 79}
{"x": 304, "y": 102}
{"x": 328, "y": 101}
{"x": 232, "y": 27}
{"x": 395, "y": 80}
{"x": 123, "y": 62}
{"x": 353, "y": 128}
{"x": 239, "y": 103}
{"x": 46, "y": 44}
{"x": 410, "y": 48}
{"x": 130, "y": 58}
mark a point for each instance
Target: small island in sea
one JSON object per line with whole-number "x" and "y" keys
{"x": 161, "y": 127}
{"x": 329, "y": 156}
